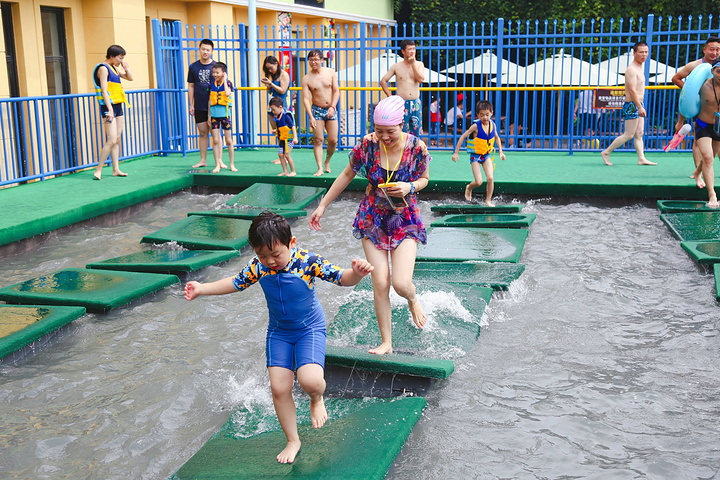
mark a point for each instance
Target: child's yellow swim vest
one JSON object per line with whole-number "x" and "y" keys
{"x": 218, "y": 97}
{"x": 483, "y": 143}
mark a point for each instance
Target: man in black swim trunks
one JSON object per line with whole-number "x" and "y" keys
{"x": 707, "y": 131}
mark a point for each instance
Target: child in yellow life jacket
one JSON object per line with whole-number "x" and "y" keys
{"x": 285, "y": 124}
{"x": 221, "y": 97}
{"x": 481, "y": 149}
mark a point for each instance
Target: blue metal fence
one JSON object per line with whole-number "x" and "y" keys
{"x": 45, "y": 136}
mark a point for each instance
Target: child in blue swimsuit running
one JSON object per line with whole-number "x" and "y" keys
{"x": 481, "y": 148}
{"x": 296, "y": 331}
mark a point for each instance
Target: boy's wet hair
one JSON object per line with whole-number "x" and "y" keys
{"x": 207, "y": 41}
{"x": 114, "y": 51}
{"x": 276, "y": 102}
{"x": 268, "y": 229}
{"x": 484, "y": 105}
{"x": 220, "y": 65}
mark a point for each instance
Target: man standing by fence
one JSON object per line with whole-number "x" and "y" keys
{"x": 321, "y": 95}
{"x": 409, "y": 74}
{"x": 199, "y": 78}
{"x": 633, "y": 110}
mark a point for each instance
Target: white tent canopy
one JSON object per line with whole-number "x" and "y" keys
{"x": 376, "y": 67}
{"x": 662, "y": 73}
{"x": 561, "y": 70}
{"x": 485, "y": 64}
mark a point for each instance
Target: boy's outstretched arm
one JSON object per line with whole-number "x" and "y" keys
{"x": 221, "y": 287}
{"x": 360, "y": 268}
{"x": 468, "y": 132}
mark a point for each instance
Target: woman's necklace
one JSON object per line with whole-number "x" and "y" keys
{"x": 390, "y": 173}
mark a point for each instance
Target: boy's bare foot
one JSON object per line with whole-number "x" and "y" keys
{"x": 222, "y": 165}
{"x": 417, "y": 312}
{"x": 699, "y": 181}
{"x": 200, "y": 164}
{"x": 292, "y": 174}
{"x": 119, "y": 174}
{"x": 645, "y": 161}
{"x": 606, "y": 157}
{"x": 216, "y": 170}
{"x": 318, "y": 414}
{"x": 318, "y": 173}
{"x": 489, "y": 203}
{"x": 289, "y": 453}
{"x": 713, "y": 203}
{"x": 276, "y": 161}
{"x": 327, "y": 166}
{"x": 283, "y": 174}
{"x": 233, "y": 169}
{"x": 468, "y": 194}
{"x": 382, "y": 349}
{"x": 97, "y": 175}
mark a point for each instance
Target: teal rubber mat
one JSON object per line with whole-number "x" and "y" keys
{"x": 684, "y": 206}
{"x": 455, "y": 244}
{"x": 703, "y": 252}
{"x": 392, "y": 363}
{"x": 359, "y": 441}
{"x": 93, "y": 289}
{"x": 22, "y": 325}
{"x": 476, "y": 208}
{"x": 502, "y": 220}
{"x": 454, "y": 314}
{"x": 204, "y": 233}
{"x": 277, "y": 197}
{"x": 696, "y": 226}
{"x": 165, "y": 261}
{"x": 716, "y": 272}
{"x": 495, "y": 275}
{"x": 247, "y": 213}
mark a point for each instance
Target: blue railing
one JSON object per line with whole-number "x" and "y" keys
{"x": 45, "y": 136}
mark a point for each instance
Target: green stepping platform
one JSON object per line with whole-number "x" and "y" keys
{"x": 92, "y": 289}
{"x": 204, "y": 233}
{"x": 455, "y": 244}
{"x": 165, "y": 261}
{"x": 360, "y": 440}
{"x": 696, "y": 226}
{"x": 247, "y": 213}
{"x": 496, "y": 275}
{"x": 716, "y": 272}
{"x": 502, "y": 220}
{"x": 277, "y": 197}
{"x": 703, "y": 252}
{"x": 393, "y": 363}
{"x": 454, "y": 313}
{"x": 22, "y": 325}
{"x": 476, "y": 208}
{"x": 684, "y": 206}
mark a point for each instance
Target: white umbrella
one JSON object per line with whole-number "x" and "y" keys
{"x": 485, "y": 64}
{"x": 662, "y": 73}
{"x": 376, "y": 67}
{"x": 561, "y": 70}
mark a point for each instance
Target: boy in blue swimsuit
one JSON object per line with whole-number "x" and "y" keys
{"x": 486, "y": 135}
{"x": 284, "y": 129}
{"x": 296, "y": 330}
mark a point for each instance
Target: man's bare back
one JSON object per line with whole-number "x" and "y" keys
{"x": 320, "y": 85}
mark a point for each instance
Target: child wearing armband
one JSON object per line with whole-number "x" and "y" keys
{"x": 285, "y": 123}
{"x": 480, "y": 148}
{"x": 296, "y": 331}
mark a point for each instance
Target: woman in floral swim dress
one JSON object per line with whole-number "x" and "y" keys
{"x": 388, "y": 220}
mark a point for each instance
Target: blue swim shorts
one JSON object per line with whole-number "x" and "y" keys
{"x": 412, "y": 117}
{"x": 292, "y": 349}
{"x": 320, "y": 113}
{"x": 630, "y": 111}
{"x": 476, "y": 157}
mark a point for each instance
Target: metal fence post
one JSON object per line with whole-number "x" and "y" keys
{"x": 500, "y": 54}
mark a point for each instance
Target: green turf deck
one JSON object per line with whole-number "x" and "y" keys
{"x": 247, "y": 213}
{"x": 359, "y": 441}
{"x": 22, "y": 325}
{"x": 454, "y": 312}
{"x": 703, "y": 253}
{"x": 684, "y": 206}
{"x": 484, "y": 220}
{"x": 495, "y": 275}
{"x": 393, "y": 363}
{"x": 277, "y": 197}
{"x": 455, "y": 244}
{"x": 696, "y": 226}
{"x": 204, "y": 233}
{"x": 93, "y": 289}
{"x": 475, "y": 208}
{"x": 165, "y": 261}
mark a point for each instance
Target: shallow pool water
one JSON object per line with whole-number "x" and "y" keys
{"x": 601, "y": 361}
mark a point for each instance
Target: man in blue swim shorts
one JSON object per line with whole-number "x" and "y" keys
{"x": 707, "y": 131}
{"x": 296, "y": 330}
{"x": 321, "y": 94}
{"x": 633, "y": 110}
{"x": 409, "y": 74}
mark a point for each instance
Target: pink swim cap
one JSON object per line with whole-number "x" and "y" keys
{"x": 389, "y": 111}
